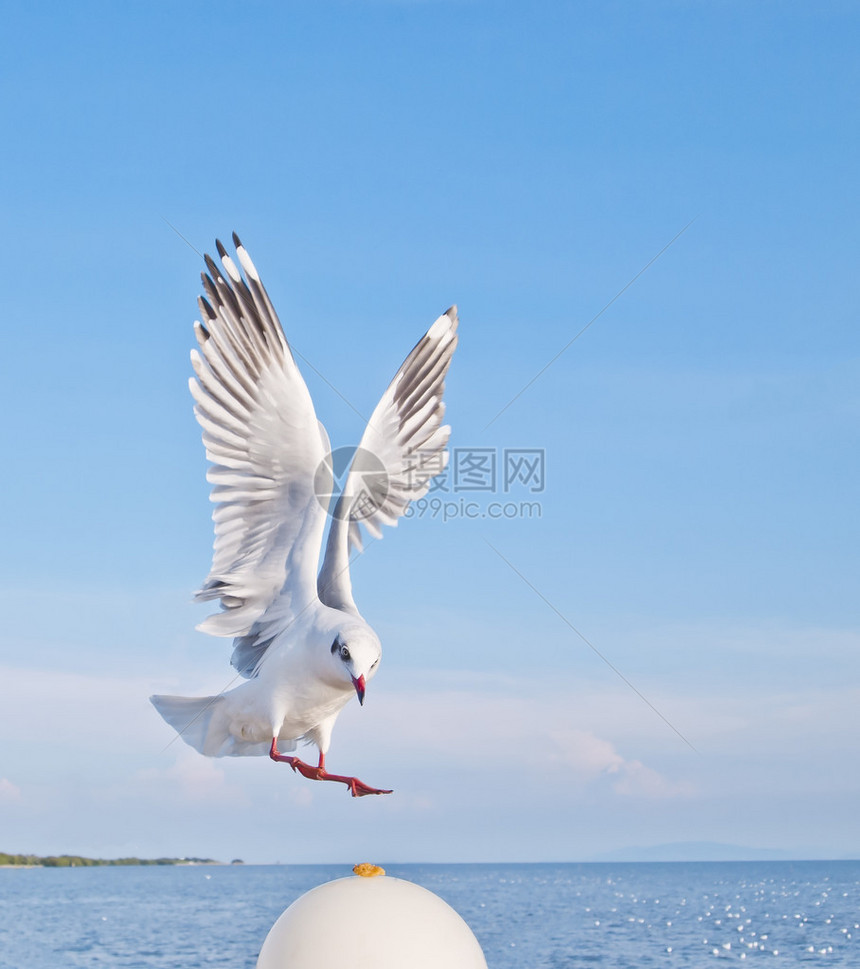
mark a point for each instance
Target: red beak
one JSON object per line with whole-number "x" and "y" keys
{"x": 359, "y": 688}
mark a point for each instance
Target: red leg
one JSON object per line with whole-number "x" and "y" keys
{"x": 356, "y": 787}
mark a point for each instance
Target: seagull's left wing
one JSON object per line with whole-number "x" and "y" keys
{"x": 401, "y": 450}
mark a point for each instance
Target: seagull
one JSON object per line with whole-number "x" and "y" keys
{"x": 299, "y": 641}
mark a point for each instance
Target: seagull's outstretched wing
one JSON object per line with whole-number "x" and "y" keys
{"x": 265, "y": 444}
{"x": 402, "y": 449}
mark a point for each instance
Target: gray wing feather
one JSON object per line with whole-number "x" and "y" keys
{"x": 263, "y": 439}
{"x": 406, "y": 434}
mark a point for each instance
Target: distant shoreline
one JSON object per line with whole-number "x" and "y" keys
{"x": 75, "y": 861}
{"x": 79, "y": 861}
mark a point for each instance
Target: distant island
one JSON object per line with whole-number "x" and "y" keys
{"x": 76, "y": 861}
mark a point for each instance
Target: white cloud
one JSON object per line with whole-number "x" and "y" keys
{"x": 83, "y": 710}
{"x": 302, "y": 797}
{"x": 494, "y": 724}
{"x": 637, "y": 780}
{"x": 591, "y": 757}
{"x": 191, "y": 779}
{"x": 581, "y": 751}
{"x": 9, "y": 793}
{"x": 447, "y": 742}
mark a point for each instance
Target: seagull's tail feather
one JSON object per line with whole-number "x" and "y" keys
{"x": 202, "y": 722}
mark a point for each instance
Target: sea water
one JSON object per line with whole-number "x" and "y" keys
{"x": 533, "y": 916}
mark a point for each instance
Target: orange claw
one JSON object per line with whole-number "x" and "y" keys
{"x": 356, "y": 787}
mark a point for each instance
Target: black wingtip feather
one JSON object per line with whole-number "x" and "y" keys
{"x": 221, "y": 250}
{"x": 236, "y": 242}
{"x": 212, "y": 266}
{"x": 203, "y": 303}
{"x": 209, "y": 288}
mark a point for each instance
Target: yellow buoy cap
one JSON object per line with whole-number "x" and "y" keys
{"x": 366, "y": 870}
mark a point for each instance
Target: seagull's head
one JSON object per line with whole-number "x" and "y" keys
{"x": 356, "y": 652}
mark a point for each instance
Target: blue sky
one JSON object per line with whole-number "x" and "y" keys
{"x": 382, "y": 160}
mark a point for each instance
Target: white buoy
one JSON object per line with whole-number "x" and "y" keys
{"x": 370, "y": 920}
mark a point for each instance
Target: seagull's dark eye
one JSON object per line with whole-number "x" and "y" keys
{"x": 341, "y": 649}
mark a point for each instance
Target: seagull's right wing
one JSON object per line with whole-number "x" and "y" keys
{"x": 265, "y": 444}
